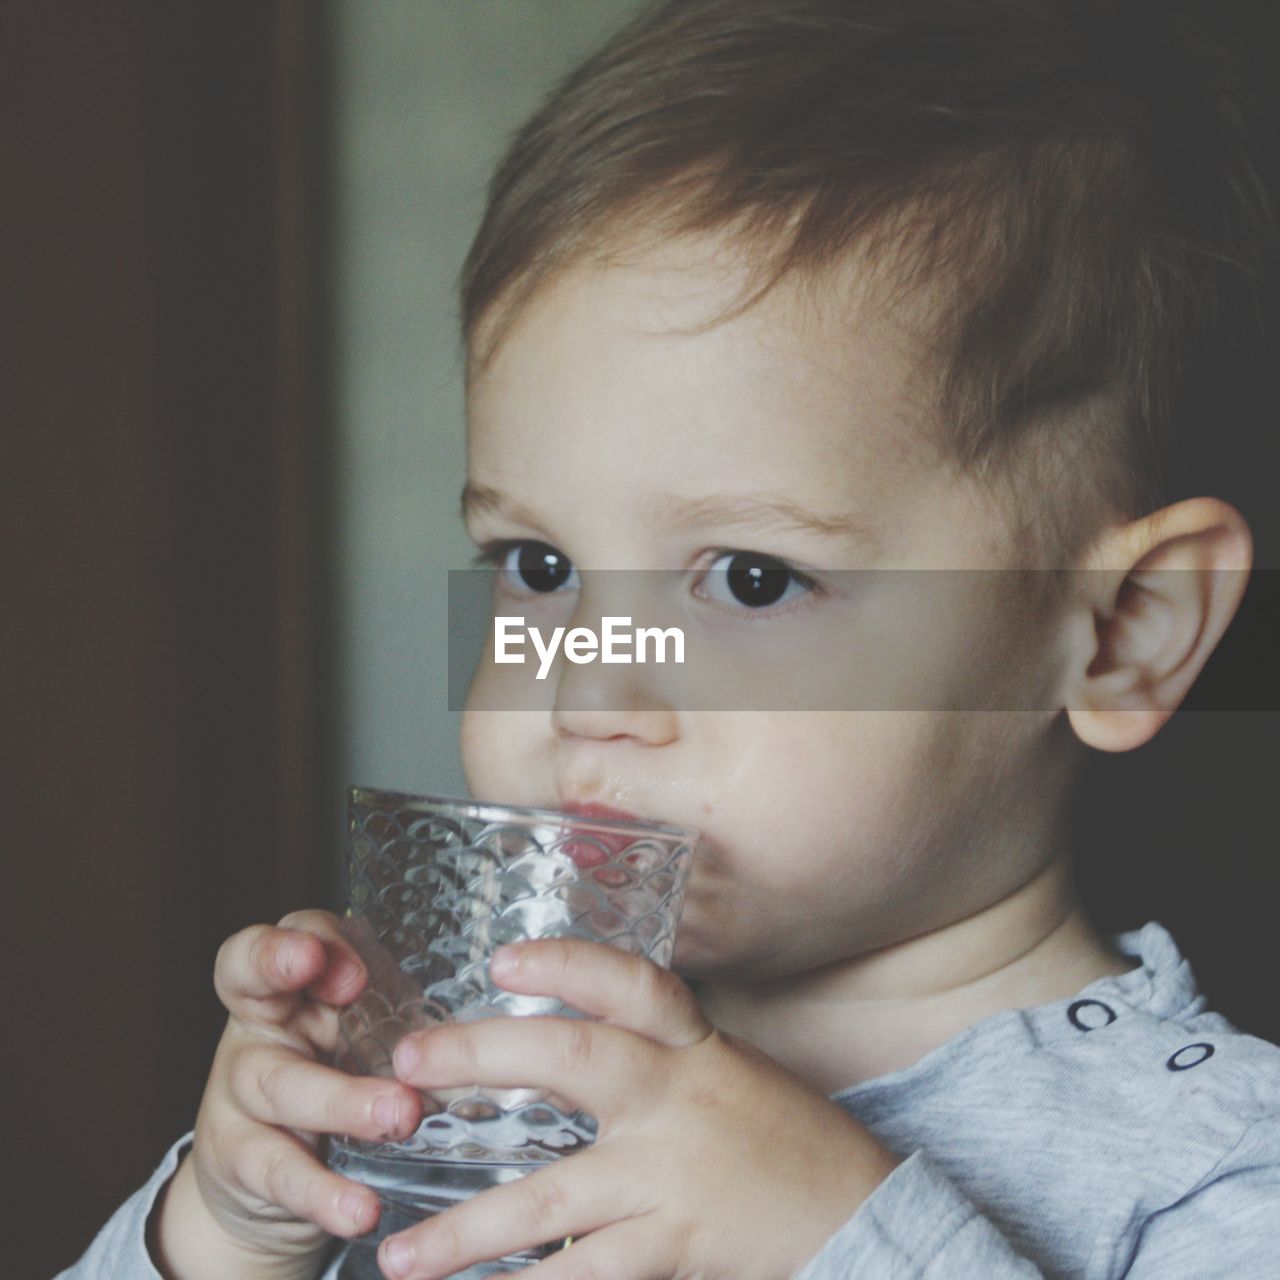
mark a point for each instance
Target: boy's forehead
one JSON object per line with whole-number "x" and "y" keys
{"x": 690, "y": 304}
{"x": 633, "y": 379}
{"x": 697, "y": 280}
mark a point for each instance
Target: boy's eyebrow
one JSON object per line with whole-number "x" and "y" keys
{"x": 763, "y": 512}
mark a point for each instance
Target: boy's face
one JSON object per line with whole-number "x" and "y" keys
{"x": 826, "y": 834}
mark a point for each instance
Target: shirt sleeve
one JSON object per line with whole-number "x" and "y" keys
{"x": 1228, "y": 1224}
{"x": 917, "y": 1225}
{"x": 119, "y": 1251}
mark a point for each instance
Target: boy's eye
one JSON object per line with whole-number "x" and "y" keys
{"x": 734, "y": 579}
{"x": 530, "y": 566}
{"x": 753, "y": 579}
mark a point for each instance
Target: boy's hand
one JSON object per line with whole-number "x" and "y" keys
{"x": 253, "y": 1198}
{"x": 712, "y": 1160}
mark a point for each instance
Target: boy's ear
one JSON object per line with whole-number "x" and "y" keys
{"x": 1155, "y": 599}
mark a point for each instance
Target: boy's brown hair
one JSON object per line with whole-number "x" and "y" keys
{"x": 1075, "y": 174}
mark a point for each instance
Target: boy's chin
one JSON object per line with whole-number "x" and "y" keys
{"x": 696, "y": 959}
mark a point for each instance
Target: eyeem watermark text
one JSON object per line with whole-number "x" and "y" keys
{"x": 581, "y": 644}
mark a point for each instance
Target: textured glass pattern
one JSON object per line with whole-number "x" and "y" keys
{"x": 434, "y": 887}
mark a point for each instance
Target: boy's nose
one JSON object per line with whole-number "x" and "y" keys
{"x": 620, "y": 699}
{"x": 602, "y": 702}
{"x": 652, "y": 727}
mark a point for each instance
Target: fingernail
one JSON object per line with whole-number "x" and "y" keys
{"x": 406, "y": 1057}
{"x": 352, "y": 974}
{"x": 356, "y": 1208}
{"x": 287, "y": 956}
{"x": 505, "y": 960}
{"x": 397, "y": 1256}
{"x": 386, "y": 1114}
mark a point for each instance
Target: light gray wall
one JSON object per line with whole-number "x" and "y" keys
{"x": 426, "y": 94}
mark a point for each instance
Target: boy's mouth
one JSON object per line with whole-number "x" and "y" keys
{"x": 600, "y": 846}
{"x": 593, "y": 810}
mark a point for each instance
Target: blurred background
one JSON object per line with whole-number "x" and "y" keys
{"x": 232, "y": 451}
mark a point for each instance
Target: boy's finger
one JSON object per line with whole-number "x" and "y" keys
{"x": 602, "y": 1069}
{"x": 566, "y": 1198}
{"x": 345, "y": 972}
{"x": 264, "y": 962}
{"x": 633, "y": 1248}
{"x": 344, "y": 976}
{"x": 279, "y": 1170}
{"x": 277, "y": 1087}
{"x": 623, "y": 989}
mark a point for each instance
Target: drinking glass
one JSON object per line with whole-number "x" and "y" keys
{"x": 435, "y": 885}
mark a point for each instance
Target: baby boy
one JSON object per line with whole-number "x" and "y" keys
{"x": 768, "y": 292}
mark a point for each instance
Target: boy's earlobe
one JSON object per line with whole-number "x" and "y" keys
{"x": 1158, "y": 594}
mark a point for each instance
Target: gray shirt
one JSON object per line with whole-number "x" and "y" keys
{"x": 1123, "y": 1132}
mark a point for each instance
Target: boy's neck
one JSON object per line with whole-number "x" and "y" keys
{"x": 865, "y": 1017}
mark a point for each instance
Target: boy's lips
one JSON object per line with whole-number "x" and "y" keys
{"x": 593, "y": 810}
{"x": 603, "y": 845}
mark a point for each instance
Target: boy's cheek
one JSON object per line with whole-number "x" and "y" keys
{"x": 497, "y": 751}
{"x": 479, "y": 762}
